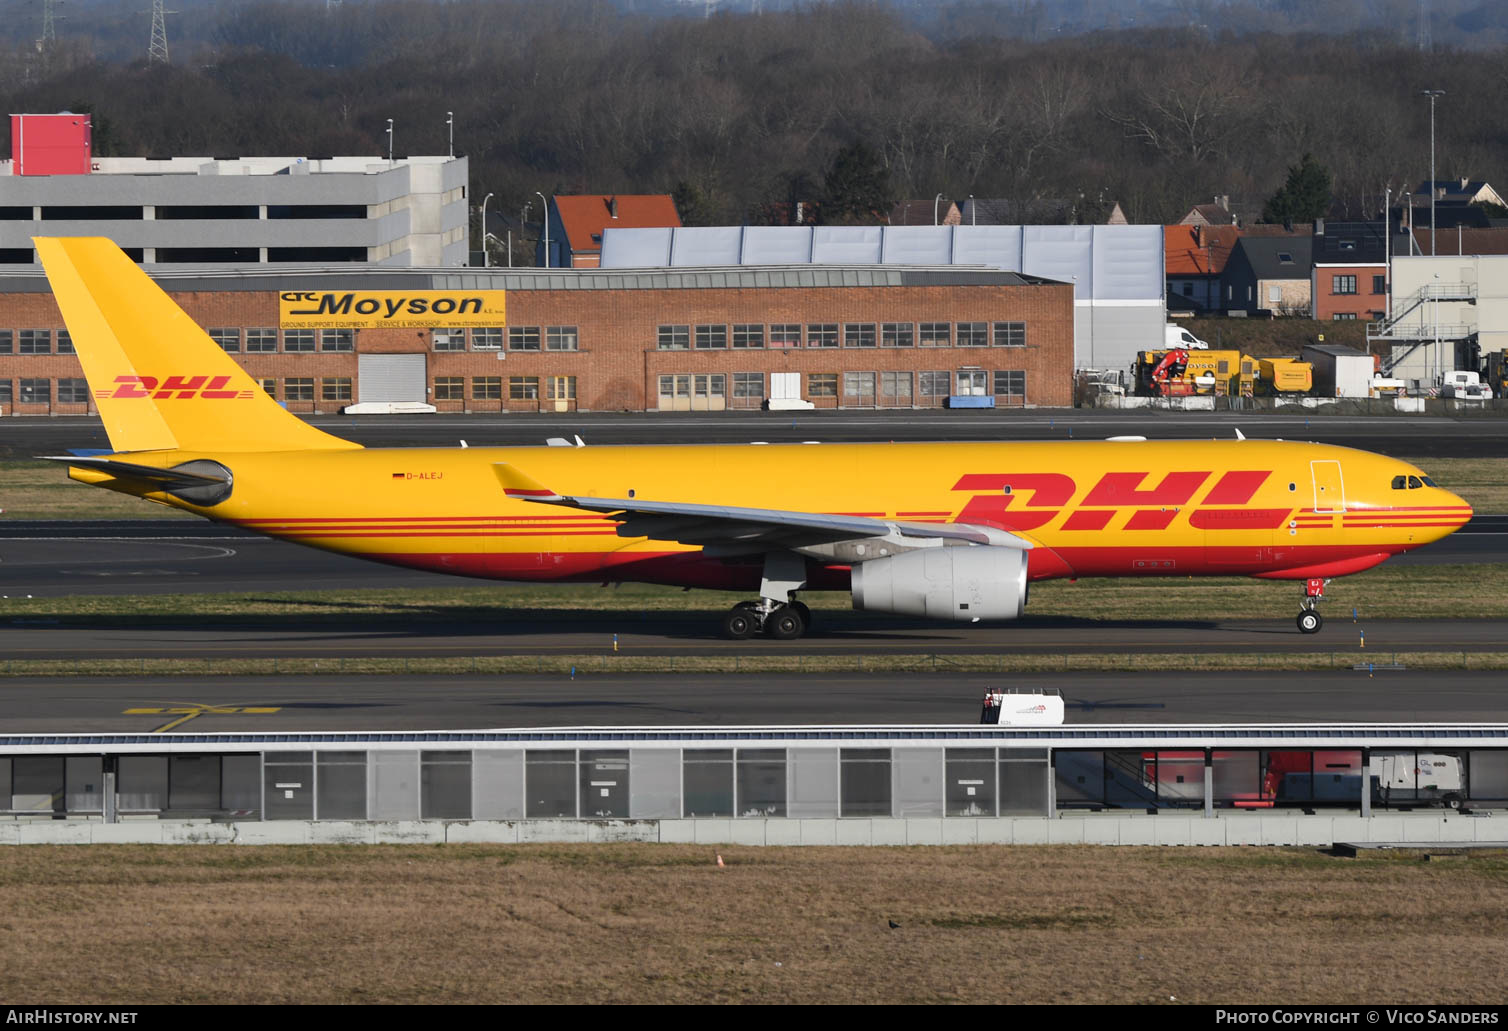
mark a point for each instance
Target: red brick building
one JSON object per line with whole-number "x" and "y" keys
{"x": 634, "y": 340}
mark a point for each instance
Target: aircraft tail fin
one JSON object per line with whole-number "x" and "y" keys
{"x": 157, "y": 379}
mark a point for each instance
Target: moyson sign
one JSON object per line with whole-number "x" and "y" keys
{"x": 369, "y": 309}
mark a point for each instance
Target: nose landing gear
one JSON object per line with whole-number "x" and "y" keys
{"x": 1309, "y": 619}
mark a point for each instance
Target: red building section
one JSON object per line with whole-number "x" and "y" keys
{"x": 50, "y": 144}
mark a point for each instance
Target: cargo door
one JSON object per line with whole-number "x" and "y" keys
{"x": 1329, "y": 487}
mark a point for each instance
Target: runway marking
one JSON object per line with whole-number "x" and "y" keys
{"x": 189, "y": 710}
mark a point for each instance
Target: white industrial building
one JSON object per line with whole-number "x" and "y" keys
{"x": 1443, "y": 307}
{"x": 1117, "y": 271}
{"x": 242, "y": 211}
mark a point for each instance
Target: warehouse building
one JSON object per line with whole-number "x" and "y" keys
{"x": 562, "y": 339}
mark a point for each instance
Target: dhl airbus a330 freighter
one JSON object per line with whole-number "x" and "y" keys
{"x": 946, "y": 530}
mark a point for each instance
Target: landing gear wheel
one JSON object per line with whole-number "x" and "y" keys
{"x": 805, "y": 613}
{"x": 740, "y": 623}
{"x": 784, "y": 623}
{"x": 1310, "y": 621}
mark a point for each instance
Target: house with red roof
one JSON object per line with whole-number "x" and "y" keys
{"x": 1194, "y": 259}
{"x": 576, "y": 225}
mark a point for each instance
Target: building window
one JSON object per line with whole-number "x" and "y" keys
{"x": 73, "y": 391}
{"x": 1011, "y": 385}
{"x": 36, "y": 391}
{"x": 449, "y": 339}
{"x": 938, "y": 334}
{"x": 822, "y": 334}
{"x": 785, "y": 334}
{"x": 748, "y": 384}
{"x": 1274, "y": 296}
{"x": 748, "y": 335}
{"x": 712, "y": 384}
{"x": 337, "y": 340}
{"x": 674, "y": 338}
{"x": 7, "y": 341}
{"x": 934, "y": 384}
{"x": 228, "y": 339}
{"x": 270, "y": 386}
{"x": 1010, "y": 334}
{"x": 36, "y": 341}
{"x": 561, "y": 338}
{"x": 1344, "y": 316}
{"x": 895, "y": 388}
{"x": 261, "y": 340}
{"x": 65, "y": 342}
{"x": 297, "y": 340}
{"x": 336, "y": 388}
{"x": 486, "y": 388}
{"x": 449, "y": 388}
{"x": 858, "y": 334}
{"x": 5, "y": 391}
{"x": 487, "y": 338}
{"x": 523, "y": 338}
{"x": 562, "y": 388}
{"x": 897, "y": 334}
{"x": 1344, "y": 284}
{"x": 1379, "y": 284}
{"x": 298, "y": 388}
{"x": 523, "y": 388}
{"x": 973, "y": 334}
{"x": 822, "y": 384}
{"x": 710, "y": 338}
{"x": 858, "y": 388}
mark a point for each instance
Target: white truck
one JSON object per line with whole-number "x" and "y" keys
{"x": 1023, "y": 708}
{"x": 1464, "y": 385}
{"x": 1428, "y": 778}
{"x": 1176, "y": 336}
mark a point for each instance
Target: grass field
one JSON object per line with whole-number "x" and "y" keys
{"x": 660, "y": 923}
{"x": 42, "y": 490}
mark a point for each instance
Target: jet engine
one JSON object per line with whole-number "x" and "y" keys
{"x": 962, "y": 583}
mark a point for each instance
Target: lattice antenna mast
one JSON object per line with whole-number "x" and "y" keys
{"x": 49, "y": 29}
{"x": 157, "y": 50}
{"x": 1425, "y": 43}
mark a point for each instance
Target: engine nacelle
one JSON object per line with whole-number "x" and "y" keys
{"x": 962, "y": 583}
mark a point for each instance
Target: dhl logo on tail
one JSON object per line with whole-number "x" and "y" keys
{"x": 180, "y": 387}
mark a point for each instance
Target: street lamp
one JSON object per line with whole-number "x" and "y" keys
{"x": 390, "y": 141}
{"x": 1432, "y": 94}
{"x": 450, "y": 125}
{"x": 486, "y": 262}
{"x": 547, "y": 225}
{"x": 935, "y": 203}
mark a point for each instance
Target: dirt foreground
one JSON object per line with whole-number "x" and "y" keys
{"x": 647, "y": 923}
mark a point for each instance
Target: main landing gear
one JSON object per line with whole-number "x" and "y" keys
{"x": 777, "y": 613}
{"x": 1310, "y": 620}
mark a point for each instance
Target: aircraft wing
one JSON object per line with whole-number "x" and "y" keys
{"x": 726, "y": 528}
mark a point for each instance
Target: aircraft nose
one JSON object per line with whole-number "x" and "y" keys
{"x": 1457, "y": 511}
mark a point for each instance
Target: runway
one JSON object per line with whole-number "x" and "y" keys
{"x": 1480, "y": 432}
{"x": 334, "y": 703}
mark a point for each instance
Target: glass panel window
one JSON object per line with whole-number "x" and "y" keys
{"x": 1379, "y": 284}
{"x": 711, "y": 337}
{"x": 858, "y": 334}
{"x": 486, "y": 388}
{"x": 36, "y": 341}
{"x": 298, "y": 388}
{"x": 6, "y": 387}
{"x": 1344, "y": 284}
{"x": 269, "y": 386}
{"x": 335, "y": 388}
{"x": 674, "y": 338}
{"x": 897, "y": 334}
{"x": 1010, "y": 334}
{"x": 969, "y": 782}
{"x": 865, "y": 781}
{"x": 936, "y": 334}
{"x": 65, "y": 342}
{"x": 561, "y": 338}
{"x": 563, "y": 388}
{"x": 1010, "y": 384}
{"x": 523, "y": 388}
{"x": 298, "y": 340}
{"x": 760, "y": 782}
{"x": 822, "y": 384}
{"x": 261, "y": 340}
{"x": 337, "y": 340}
{"x": 707, "y": 782}
{"x": 449, "y": 388}
{"x": 228, "y": 339}
{"x": 487, "y": 338}
{"x": 710, "y": 385}
{"x": 523, "y": 338}
{"x": 785, "y": 334}
{"x": 748, "y": 334}
{"x": 822, "y": 334}
{"x": 895, "y": 387}
{"x": 450, "y": 339}
{"x": 36, "y": 391}
{"x": 973, "y": 334}
{"x": 7, "y": 341}
{"x": 858, "y": 388}
{"x": 934, "y": 384}
{"x": 748, "y": 384}
{"x": 73, "y": 391}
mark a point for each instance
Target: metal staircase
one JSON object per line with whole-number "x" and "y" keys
{"x": 1421, "y": 331}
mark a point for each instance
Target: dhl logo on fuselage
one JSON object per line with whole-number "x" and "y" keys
{"x": 172, "y": 387}
{"x": 1153, "y": 508}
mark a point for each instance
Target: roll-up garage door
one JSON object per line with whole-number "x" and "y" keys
{"x": 391, "y": 377}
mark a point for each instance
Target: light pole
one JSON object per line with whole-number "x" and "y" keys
{"x": 1432, "y": 94}
{"x": 450, "y": 125}
{"x": 546, "y": 217}
{"x": 973, "y": 210}
{"x": 935, "y": 203}
{"x": 390, "y": 141}
{"x": 486, "y": 261}
{"x": 1387, "y": 256}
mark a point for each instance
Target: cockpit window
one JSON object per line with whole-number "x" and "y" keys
{"x": 1415, "y": 483}
{"x": 1411, "y": 482}
{"x": 1400, "y": 482}
{"x": 1429, "y": 482}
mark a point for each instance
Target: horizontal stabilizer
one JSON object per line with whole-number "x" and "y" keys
{"x": 169, "y": 478}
